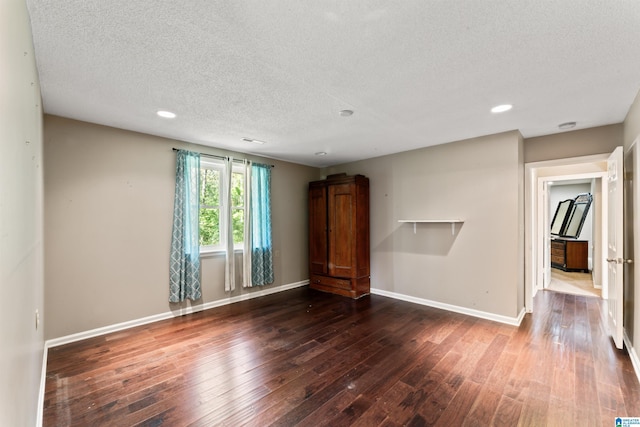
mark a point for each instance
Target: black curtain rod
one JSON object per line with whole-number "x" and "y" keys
{"x": 220, "y": 157}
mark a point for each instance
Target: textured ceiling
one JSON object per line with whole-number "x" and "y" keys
{"x": 416, "y": 72}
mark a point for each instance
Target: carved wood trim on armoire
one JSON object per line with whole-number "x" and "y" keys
{"x": 339, "y": 235}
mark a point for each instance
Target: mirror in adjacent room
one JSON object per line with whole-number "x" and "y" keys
{"x": 578, "y": 215}
{"x": 570, "y": 216}
{"x": 561, "y": 217}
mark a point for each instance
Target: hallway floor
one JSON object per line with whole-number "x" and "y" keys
{"x": 573, "y": 283}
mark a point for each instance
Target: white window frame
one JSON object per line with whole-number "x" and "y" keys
{"x": 211, "y": 163}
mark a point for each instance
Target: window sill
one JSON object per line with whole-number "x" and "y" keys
{"x": 208, "y": 253}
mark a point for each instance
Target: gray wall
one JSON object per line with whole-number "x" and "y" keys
{"x": 479, "y": 181}
{"x": 21, "y": 216}
{"x": 583, "y": 142}
{"x": 109, "y": 204}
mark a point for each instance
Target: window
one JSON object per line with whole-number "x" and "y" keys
{"x": 211, "y": 205}
{"x": 237, "y": 206}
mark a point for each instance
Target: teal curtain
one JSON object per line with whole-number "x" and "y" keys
{"x": 260, "y": 213}
{"x": 185, "y": 242}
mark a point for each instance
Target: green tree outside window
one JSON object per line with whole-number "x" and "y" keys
{"x": 210, "y": 189}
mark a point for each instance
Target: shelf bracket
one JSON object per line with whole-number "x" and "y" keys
{"x": 453, "y": 228}
{"x": 415, "y": 223}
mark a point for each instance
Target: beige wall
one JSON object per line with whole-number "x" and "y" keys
{"x": 109, "y": 203}
{"x": 477, "y": 180}
{"x": 631, "y": 309}
{"x": 21, "y": 212}
{"x": 583, "y": 142}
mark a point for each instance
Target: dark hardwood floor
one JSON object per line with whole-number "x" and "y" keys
{"x": 306, "y": 358}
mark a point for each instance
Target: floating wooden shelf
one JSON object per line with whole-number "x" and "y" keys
{"x": 453, "y": 223}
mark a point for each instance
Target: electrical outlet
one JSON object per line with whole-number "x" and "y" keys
{"x": 37, "y": 319}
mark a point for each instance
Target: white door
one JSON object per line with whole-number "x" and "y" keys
{"x": 615, "y": 244}
{"x": 546, "y": 245}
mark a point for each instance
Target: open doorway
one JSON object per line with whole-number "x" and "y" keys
{"x": 574, "y": 250}
{"x": 539, "y": 177}
{"x": 613, "y": 264}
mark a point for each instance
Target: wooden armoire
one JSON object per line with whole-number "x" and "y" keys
{"x": 570, "y": 255}
{"x": 339, "y": 235}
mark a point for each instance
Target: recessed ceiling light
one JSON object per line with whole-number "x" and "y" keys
{"x": 255, "y": 141}
{"x": 567, "y": 125}
{"x": 345, "y": 113}
{"x": 166, "y": 114}
{"x": 321, "y": 153}
{"x": 501, "y": 108}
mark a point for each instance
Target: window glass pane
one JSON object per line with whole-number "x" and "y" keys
{"x": 237, "y": 187}
{"x": 238, "y": 225}
{"x": 209, "y": 227}
{"x": 211, "y": 208}
{"x": 210, "y": 187}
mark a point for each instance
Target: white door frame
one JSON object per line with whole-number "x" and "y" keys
{"x": 537, "y": 176}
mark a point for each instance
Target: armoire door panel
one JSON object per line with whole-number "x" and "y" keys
{"x": 318, "y": 230}
{"x": 341, "y": 232}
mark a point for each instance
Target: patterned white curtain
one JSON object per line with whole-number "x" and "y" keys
{"x": 226, "y": 234}
{"x": 246, "y": 253}
{"x": 257, "y": 259}
{"x": 184, "y": 277}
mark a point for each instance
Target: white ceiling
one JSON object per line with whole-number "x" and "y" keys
{"x": 416, "y": 72}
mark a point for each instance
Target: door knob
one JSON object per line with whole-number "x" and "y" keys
{"x": 620, "y": 260}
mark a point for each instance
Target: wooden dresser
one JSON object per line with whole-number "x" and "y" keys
{"x": 339, "y": 235}
{"x": 570, "y": 255}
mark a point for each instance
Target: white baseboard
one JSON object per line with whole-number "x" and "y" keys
{"x": 168, "y": 315}
{"x": 515, "y": 321}
{"x": 632, "y": 355}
